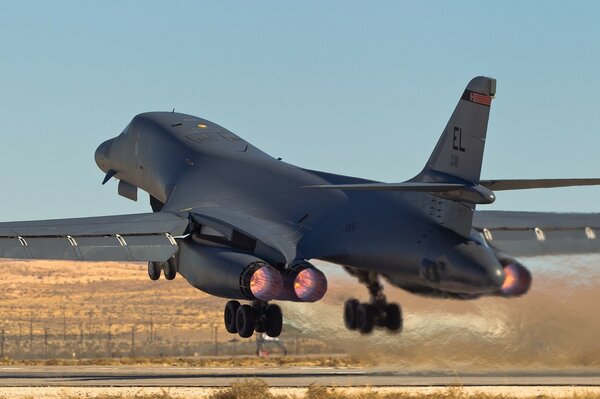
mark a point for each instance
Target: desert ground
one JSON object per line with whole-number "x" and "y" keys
{"x": 55, "y": 312}
{"x": 61, "y": 310}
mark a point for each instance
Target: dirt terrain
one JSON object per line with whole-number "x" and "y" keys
{"x": 77, "y": 304}
{"x": 88, "y": 310}
{"x": 58, "y": 309}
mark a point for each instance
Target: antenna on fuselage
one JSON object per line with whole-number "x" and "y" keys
{"x": 173, "y": 111}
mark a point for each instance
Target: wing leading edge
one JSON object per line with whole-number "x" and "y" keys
{"x": 139, "y": 237}
{"x": 540, "y": 233}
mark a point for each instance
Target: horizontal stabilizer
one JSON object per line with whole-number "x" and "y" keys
{"x": 493, "y": 185}
{"x": 406, "y": 186}
{"x": 473, "y": 194}
{"x": 524, "y": 184}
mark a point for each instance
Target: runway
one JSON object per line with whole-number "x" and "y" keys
{"x": 94, "y": 376}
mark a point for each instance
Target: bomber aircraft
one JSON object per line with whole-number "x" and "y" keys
{"x": 239, "y": 224}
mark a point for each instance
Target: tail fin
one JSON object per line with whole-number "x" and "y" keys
{"x": 459, "y": 152}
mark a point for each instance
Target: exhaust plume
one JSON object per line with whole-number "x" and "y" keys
{"x": 554, "y": 326}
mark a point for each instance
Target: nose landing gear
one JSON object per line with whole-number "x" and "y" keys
{"x": 260, "y": 316}
{"x": 364, "y": 317}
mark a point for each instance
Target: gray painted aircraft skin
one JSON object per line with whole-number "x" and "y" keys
{"x": 238, "y": 223}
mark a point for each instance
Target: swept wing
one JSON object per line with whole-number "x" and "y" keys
{"x": 540, "y": 233}
{"x": 138, "y": 237}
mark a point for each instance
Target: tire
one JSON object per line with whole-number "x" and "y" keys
{"x": 259, "y": 328}
{"x": 153, "y": 271}
{"x": 170, "y": 269}
{"x": 230, "y": 315}
{"x": 350, "y": 313}
{"x": 365, "y": 318}
{"x": 393, "y": 317}
{"x": 273, "y": 321}
{"x": 245, "y": 321}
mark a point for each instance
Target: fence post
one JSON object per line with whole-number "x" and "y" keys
{"x": 20, "y": 327}
{"x": 30, "y": 332}
{"x": 81, "y": 334}
{"x": 216, "y": 341}
{"x": 109, "y": 337}
{"x": 133, "y": 340}
{"x": 64, "y": 314}
{"x": 46, "y": 342}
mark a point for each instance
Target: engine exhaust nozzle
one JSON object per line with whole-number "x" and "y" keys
{"x": 517, "y": 280}
{"x": 262, "y": 281}
{"x": 303, "y": 283}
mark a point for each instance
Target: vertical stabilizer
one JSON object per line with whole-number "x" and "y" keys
{"x": 459, "y": 152}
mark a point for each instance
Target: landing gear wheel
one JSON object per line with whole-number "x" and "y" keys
{"x": 230, "y": 315}
{"x": 365, "y": 318}
{"x": 393, "y": 317}
{"x": 154, "y": 270}
{"x": 273, "y": 320}
{"x": 245, "y": 321}
{"x": 350, "y": 313}
{"x": 170, "y": 269}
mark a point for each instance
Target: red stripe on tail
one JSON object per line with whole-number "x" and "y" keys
{"x": 481, "y": 99}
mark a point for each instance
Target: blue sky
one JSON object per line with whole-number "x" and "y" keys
{"x": 359, "y": 88}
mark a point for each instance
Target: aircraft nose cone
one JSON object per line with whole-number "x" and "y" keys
{"x": 102, "y": 154}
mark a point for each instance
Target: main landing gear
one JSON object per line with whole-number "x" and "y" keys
{"x": 260, "y": 316}
{"x": 364, "y": 317}
{"x": 169, "y": 269}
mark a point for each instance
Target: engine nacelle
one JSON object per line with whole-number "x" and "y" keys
{"x": 227, "y": 272}
{"x": 302, "y": 282}
{"x": 517, "y": 280}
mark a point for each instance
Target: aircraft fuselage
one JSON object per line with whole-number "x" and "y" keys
{"x": 190, "y": 164}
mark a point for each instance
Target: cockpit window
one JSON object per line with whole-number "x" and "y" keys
{"x": 200, "y": 137}
{"x": 229, "y": 136}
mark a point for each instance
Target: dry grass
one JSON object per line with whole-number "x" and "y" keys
{"x": 238, "y": 361}
{"x": 258, "y": 389}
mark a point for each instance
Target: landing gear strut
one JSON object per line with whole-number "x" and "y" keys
{"x": 364, "y": 317}
{"x": 260, "y": 316}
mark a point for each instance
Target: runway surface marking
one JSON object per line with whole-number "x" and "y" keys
{"x": 90, "y": 376}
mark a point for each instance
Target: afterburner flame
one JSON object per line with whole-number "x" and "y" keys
{"x": 310, "y": 285}
{"x": 517, "y": 280}
{"x": 510, "y": 278}
{"x": 266, "y": 283}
